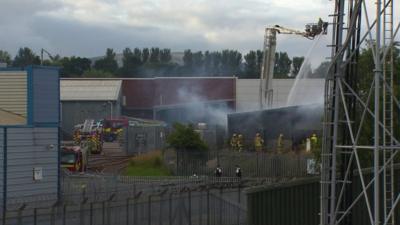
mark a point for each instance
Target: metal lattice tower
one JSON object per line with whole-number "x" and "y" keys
{"x": 359, "y": 115}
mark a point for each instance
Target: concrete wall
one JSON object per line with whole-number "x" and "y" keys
{"x": 75, "y": 112}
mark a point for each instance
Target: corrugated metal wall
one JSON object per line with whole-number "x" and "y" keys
{"x": 298, "y": 202}
{"x": 75, "y": 112}
{"x": 13, "y": 95}
{"x": 32, "y": 146}
{"x": 29, "y": 148}
{"x": 1, "y": 166}
{"x": 46, "y": 95}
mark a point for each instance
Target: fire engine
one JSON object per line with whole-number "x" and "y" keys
{"x": 113, "y": 128}
{"x": 74, "y": 158}
{"x": 89, "y": 135}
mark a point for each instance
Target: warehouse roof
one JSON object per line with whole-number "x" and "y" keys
{"x": 89, "y": 90}
{"x": 10, "y": 118}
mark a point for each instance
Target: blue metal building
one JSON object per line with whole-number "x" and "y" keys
{"x": 29, "y": 135}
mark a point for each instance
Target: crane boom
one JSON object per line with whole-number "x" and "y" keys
{"x": 41, "y": 55}
{"x": 269, "y": 49}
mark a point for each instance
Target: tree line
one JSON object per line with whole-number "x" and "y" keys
{"x": 151, "y": 62}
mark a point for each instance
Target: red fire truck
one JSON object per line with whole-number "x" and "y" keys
{"x": 74, "y": 158}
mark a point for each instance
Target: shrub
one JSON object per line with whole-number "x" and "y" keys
{"x": 184, "y": 137}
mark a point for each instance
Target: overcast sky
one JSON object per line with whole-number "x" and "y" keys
{"x": 88, "y": 27}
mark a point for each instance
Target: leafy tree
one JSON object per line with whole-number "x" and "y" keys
{"x": 131, "y": 62}
{"x": 230, "y": 62}
{"x": 251, "y": 65}
{"x": 5, "y": 57}
{"x": 282, "y": 65}
{"x": 93, "y": 73}
{"x": 145, "y": 55}
{"x": 207, "y": 62}
{"x": 188, "y": 58}
{"x": 25, "y": 57}
{"x": 108, "y": 63}
{"x": 165, "y": 55}
{"x": 53, "y": 61}
{"x": 184, "y": 137}
{"x": 198, "y": 59}
{"x": 154, "y": 55}
{"x": 216, "y": 62}
{"x": 297, "y": 62}
{"x": 74, "y": 66}
{"x": 321, "y": 70}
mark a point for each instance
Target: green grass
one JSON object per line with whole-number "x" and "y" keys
{"x": 150, "y": 164}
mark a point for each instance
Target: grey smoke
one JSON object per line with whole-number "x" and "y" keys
{"x": 200, "y": 108}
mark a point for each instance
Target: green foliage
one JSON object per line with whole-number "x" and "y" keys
{"x": 130, "y": 63}
{"x": 150, "y": 164}
{"x": 108, "y": 63}
{"x": 93, "y": 73}
{"x": 184, "y": 137}
{"x": 252, "y": 69}
{"x": 282, "y": 65}
{"x": 26, "y": 57}
{"x": 154, "y": 55}
{"x": 74, "y": 66}
{"x": 297, "y": 62}
{"x": 5, "y": 57}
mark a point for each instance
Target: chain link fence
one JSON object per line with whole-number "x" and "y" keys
{"x": 206, "y": 205}
{"x": 252, "y": 164}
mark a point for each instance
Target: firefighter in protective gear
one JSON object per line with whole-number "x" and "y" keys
{"x": 314, "y": 141}
{"x": 233, "y": 142}
{"x": 258, "y": 143}
{"x": 280, "y": 143}
{"x": 240, "y": 143}
{"x": 77, "y": 137}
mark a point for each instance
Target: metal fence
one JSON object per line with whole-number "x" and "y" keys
{"x": 181, "y": 207}
{"x": 252, "y": 164}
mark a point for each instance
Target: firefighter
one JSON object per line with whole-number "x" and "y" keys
{"x": 314, "y": 141}
{"x": 258, "y": 143}
{"x": 233, "y": 142}
{"x": 107, "y": 134}
{"x": 77, "y": 137}
{"x": 240, "y": 143}
{"x": 280, "y": 143}
{"x": 218, "y": 171}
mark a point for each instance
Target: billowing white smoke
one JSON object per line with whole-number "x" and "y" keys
{"x": 201, "y": 108}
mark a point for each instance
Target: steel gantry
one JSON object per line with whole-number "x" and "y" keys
{"x": 360, "y": 111}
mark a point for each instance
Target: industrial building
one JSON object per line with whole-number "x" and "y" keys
{"x": 29, "y": 135}
{"x": 178, "y": 99}
{"x": 309, "y": 91}
{"x": 170, "y": 99}
{"x": 83, "y": 99}
{"x": 295, "y": 123}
